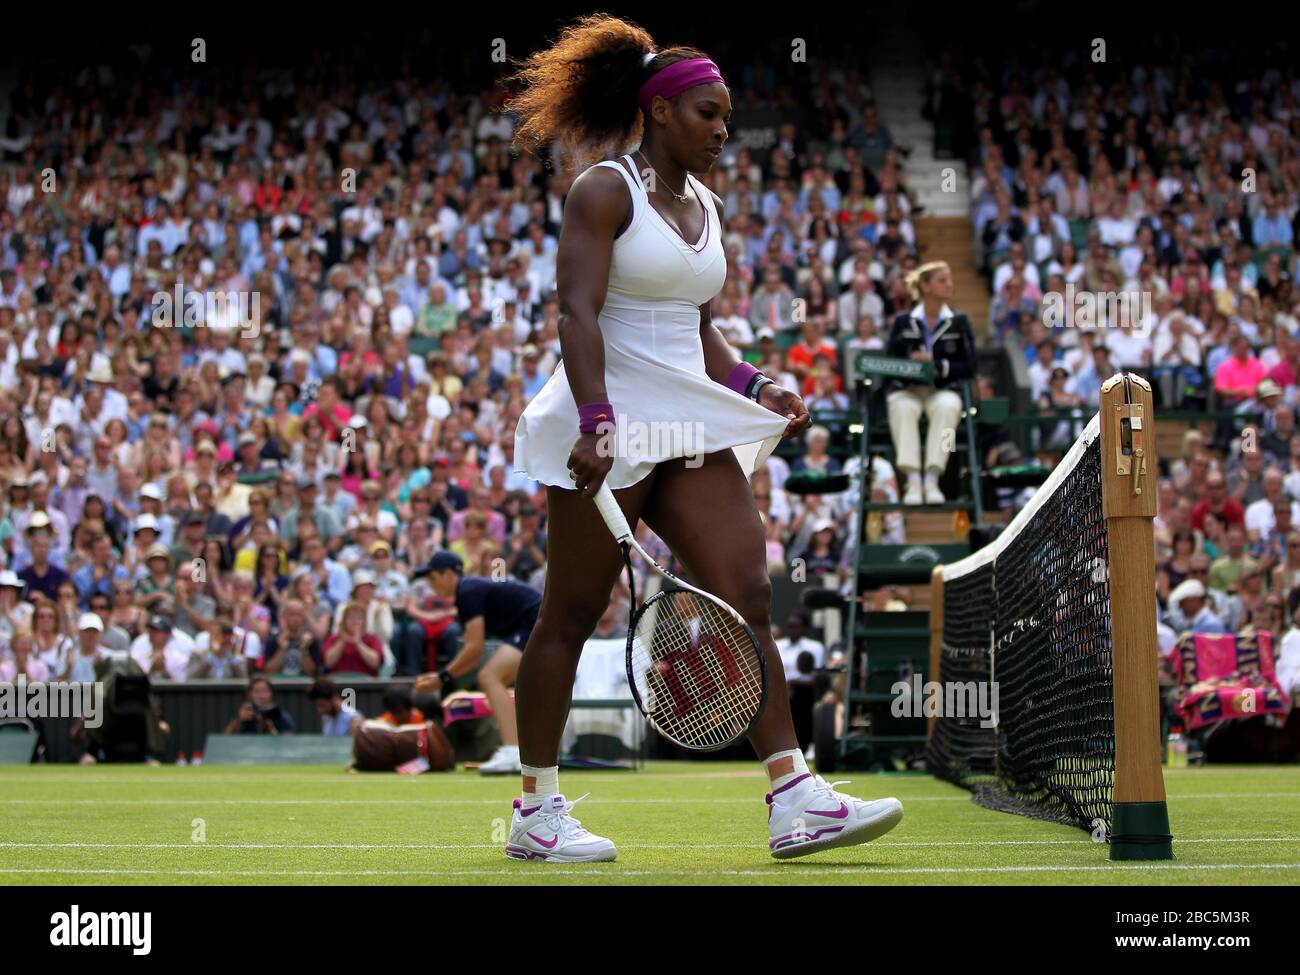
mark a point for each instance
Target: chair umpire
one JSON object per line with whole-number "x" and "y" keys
{"x": 930, "y": 332}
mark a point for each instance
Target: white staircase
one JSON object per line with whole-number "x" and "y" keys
{"x": 898, "y": 86}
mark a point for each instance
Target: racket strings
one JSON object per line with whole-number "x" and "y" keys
{"x": 698, "y": 669}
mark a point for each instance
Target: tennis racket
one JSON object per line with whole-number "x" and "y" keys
{"x": 695, "y": 668}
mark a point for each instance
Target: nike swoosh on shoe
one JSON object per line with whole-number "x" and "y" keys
{"x": 555, "y": 839}
{"x": 840, "y": 813}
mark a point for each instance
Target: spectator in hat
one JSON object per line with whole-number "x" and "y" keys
{"x": 321, "y": 515}
{"x": 151, "y": 503}
{"x": 44, "y": 515}
{"x": 259, "y": 387}
{"x": 1266, "y": 399}
{"x": 505, "y": 610}
{"x": 87, "y": 663}
{"x": 379, "y": 613}
{"x": 15, "y": 612}
{"x": 823, "y": 552}
{"x": 163, "y": 651}
{"x": 193, "y": 534}
{"x": 144, "y": 536}
{"x": 1188, "y": 611}
{"x": 155, "y": 589}
{"x": 370, "y": 509}
{"x": 251, "y": 467}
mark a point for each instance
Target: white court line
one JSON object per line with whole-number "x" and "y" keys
{"x": 1082, "y": 841}
{"x": 480, "y": 802}
{"x": 550, "y": 869}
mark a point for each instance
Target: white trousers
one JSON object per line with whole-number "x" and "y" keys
{"x": 942, "y": 406}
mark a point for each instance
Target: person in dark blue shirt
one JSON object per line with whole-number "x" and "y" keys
{"x": 505, "y": 610}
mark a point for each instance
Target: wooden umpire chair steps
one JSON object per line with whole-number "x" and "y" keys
{"x": 891, "y": 646}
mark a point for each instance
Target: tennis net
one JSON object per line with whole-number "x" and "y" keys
{"x": 1030, "y": 616}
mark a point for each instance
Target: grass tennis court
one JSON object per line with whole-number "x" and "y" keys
{"x": 675, "y": 823}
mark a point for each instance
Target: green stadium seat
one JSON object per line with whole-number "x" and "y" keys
{"x": 277, "y": 750}
{"x": 17, "y": 747}
{"x": 1079, "y": 234}
{"x": 422, "y": 345}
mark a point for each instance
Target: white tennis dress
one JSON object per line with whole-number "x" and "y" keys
{"x": 665, "y": 404}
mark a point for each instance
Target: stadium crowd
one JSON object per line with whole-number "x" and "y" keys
{"x": 225, "y": 488}
{"x": 1173, "y": 185}
{"x": 263, "y": 349}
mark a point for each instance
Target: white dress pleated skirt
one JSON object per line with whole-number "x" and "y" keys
{"x": 665, "y": 404}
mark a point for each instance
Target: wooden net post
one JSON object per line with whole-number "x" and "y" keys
{"x": 1140, "y": 817}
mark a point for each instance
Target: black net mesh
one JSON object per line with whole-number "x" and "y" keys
{"x": 1034, "y": 623}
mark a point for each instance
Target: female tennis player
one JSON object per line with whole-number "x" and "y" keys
{"x": 640, "y": 257}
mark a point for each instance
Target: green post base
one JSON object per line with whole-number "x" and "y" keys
{"x": 1140, "y": 831}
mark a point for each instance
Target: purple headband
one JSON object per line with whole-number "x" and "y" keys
{"x": 676, "y": 78}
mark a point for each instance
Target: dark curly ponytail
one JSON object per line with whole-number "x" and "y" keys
{"x": 581, "y": 92}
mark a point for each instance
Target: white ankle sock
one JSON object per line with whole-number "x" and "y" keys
{"x": 798, "y": 768}
{"x": 545, "y": 783}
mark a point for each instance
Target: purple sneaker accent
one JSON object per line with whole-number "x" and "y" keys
{"x": 840, "y": 813}
{"x": 789, "y": 785}
{"x": 549, "y": 846}
{"x": 789, "y": 838}
{"x": 519, "y": 853}
{"x": 519, "y": 803}
{"x": 527, "y": 812}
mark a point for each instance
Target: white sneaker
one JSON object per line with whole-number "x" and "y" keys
{"x": 913, "y": 493}
{"x": 932, "y": 493}
{"x": 504, "y": 760}
{"x": 547, "y": 831}
{"x": 807, "y": 815}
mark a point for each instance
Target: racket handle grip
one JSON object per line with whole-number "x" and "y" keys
{"x": 612, "y": 513}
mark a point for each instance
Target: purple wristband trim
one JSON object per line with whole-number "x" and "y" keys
{"x": 740, "y": 376}
{"x": 592, "y": 415}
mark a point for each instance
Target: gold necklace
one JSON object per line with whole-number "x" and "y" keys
{"x": 682, "y": 197}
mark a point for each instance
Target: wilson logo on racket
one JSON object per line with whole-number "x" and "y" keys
{"x": 694, "y": 666}
{"x": 697, "y": 668}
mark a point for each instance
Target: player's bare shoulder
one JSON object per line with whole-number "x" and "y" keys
{"x": 717, "y": 202}
{"x": 598, "y": 200}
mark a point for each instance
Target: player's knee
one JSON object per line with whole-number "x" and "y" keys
{"x": 569, "y": 622}
{"x": 754, "y": 602}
